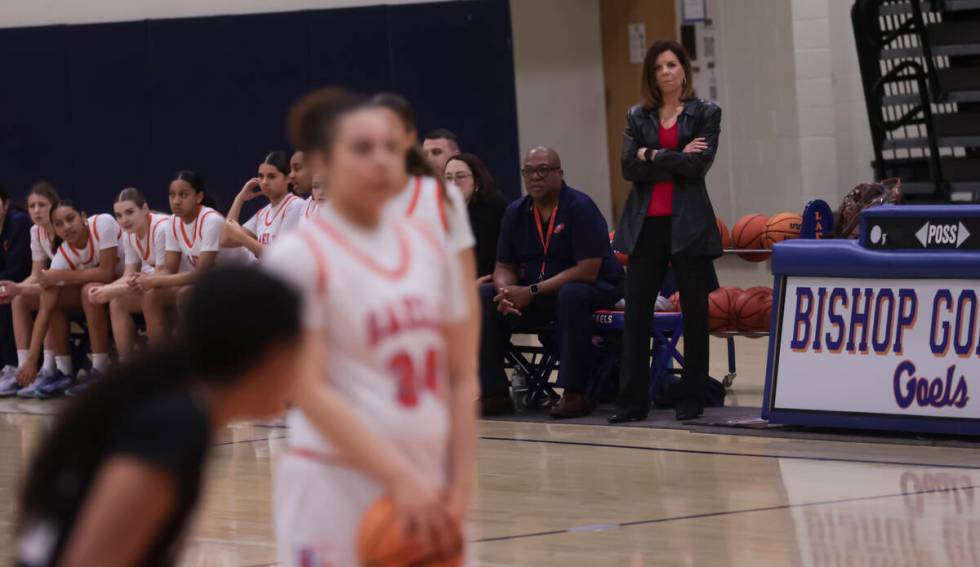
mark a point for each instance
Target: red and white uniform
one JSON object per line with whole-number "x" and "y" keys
{"x": 41, "y": 250}
{"x": 424, "y": 201}
{"x": 148, "y": 253}
{"x": 271, "y": 222}
{"x": 202, "y": 235}
{"x": 381, "y": 298}
{"x": 310, "y": 208}
{"x": 103, "y": 233}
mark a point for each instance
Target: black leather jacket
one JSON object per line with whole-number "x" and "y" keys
{"x": 693, "y": 228}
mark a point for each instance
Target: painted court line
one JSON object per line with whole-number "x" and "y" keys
{"x": 730, "y": 453}
{"x": 579, "y": 529}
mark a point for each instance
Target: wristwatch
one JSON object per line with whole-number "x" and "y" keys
{"x": 534, "y": 289}
{"x": 648, "y": 154}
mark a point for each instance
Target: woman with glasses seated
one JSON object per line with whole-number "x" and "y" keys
{"x": 484, "y": 205}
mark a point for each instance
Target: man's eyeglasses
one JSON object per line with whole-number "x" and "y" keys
{"x": 457, "y": 177}
{"x": 542, "y": 171}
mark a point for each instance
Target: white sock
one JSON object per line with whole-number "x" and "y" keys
{"x": 123, "y": 357}
{"x": 22, "y": 357}
{"x": 100, "y": 362}
{"x": 48, "y": 361}
{"x": 64, "y": 364}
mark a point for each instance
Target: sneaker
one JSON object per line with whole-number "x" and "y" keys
{"x": 81, "y": 385}
{"x": 8, "y": 382}
{"x": 48, "y": 384}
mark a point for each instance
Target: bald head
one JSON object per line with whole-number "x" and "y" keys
{"x": 543, "y": 153}
{"x": 542, "y": 174}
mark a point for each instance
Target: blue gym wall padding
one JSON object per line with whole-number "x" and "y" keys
{"x": 96, "y": 108}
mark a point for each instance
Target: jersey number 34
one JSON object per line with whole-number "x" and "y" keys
{"x": 411, "y": 380}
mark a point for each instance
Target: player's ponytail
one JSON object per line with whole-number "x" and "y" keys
{"x": 234, "y": 316}
{"x": 312, "y": 120}
{"x": 415, "y": 162}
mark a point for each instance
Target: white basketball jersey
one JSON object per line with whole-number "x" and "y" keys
{"x": 149, "y": 252}
{"x": 426, "y": 200}
{"x": 270, "y": 222}
{"x": 310, "y": 208}
{"x": 103, "y": 233}
{"x": 41, "y": 249}
{"x": 382, "y": 298}
{"x": 192, "y": 239}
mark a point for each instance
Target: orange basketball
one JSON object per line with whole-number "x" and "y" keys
{"x": 749, "y": 234}
{"x": 726, "y": 237}
{"x": 721, "y": 308}
{"x": 751, "y": 309}
{"x": 781, "y": 227}
{"x": 381, "y": 543}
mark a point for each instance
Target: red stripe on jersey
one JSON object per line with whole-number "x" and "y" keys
{"x": 200, "y": 225}
{"x": 440, "y": 192}
{"x": 91, "y": 249}
{"x": 438, "y": 246}
{"x": 61, "y": 250}
{"x": 415, "y": 196}
{"x": 280, "y": 211}
{"x": 321, "y": 263}
{"x": 368, "y": 261}
{"x": 318, "y": 456}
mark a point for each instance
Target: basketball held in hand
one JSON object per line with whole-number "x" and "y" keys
{"x": 381, "y": 542}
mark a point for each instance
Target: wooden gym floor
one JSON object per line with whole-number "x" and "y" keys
{"x": 570, "y": 495}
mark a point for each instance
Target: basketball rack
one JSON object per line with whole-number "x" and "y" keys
{"x": 818, "y": 222}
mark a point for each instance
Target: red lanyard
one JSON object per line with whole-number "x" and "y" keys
{"x": 545, "y": 240}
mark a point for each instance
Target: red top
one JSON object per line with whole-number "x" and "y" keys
{"x": 662, "y": 200}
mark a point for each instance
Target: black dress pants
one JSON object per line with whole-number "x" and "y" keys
{"x": 648, "y": 264}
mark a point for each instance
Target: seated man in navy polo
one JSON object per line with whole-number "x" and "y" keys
{"x": 554, "y": 263}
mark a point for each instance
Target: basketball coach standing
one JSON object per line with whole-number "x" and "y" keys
{"x": 669, "y": 145}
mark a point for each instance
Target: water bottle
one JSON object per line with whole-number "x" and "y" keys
{"x": 518, "y": 389}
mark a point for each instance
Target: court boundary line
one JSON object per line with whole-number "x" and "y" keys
{"x": 225, "y": 443}
{"x": 578, "y": 529}
{"x": 729, "y": 453}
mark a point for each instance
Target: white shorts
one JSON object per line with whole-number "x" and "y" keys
{"x": 318, "y": 511}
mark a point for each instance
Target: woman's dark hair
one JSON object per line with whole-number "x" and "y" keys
{"x": 197, "y": 184}
{"x": 485, "y": 186}
{"x": 415, "y": 162}
{"x": 44, "y": 189}
{"x": 651, "y": 93}
{"x": 279, "y": 160}
{"x": 234, "y": 316}
{"x": 131, "y": 194}
{"x": 56, "y": 242}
